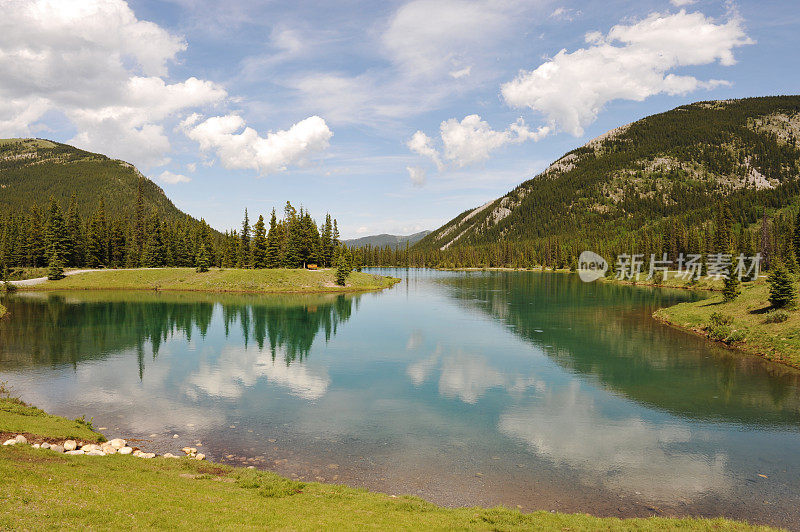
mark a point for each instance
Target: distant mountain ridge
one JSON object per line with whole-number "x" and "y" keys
{"x": 672, "y": 167}
{"x": 384, "y": 240}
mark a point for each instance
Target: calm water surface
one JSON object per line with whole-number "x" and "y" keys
{"x": 517, "y": 388}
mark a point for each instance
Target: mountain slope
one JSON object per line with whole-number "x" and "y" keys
{"x": 384, "y": 240}
{"x": 33, "y": 170}
{"x": 670, "y": 166}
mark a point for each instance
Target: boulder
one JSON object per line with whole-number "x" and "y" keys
{"x": 95, "y": 452}
{"x": 21, "y": 439}
{"x": 76, "y": 452}
{"x": 200, "y": 456}
{"x": 35, "y": 445}
{"x": 126, "y": 450}
{"x": 146, "y": 455}
{"x": 109, "y": 450}
{"x": 89, "y": 447}
{"x": 45, "y": 445}
{"x": 70, "y": 445}
{"x": 10, "y": 442}
{"x": 117, "y": 443}
{"x": 57, "y": 448}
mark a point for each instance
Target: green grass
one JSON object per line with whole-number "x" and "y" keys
{"x": 219, "y": 280}
{"x": 17, "y": 417}
{"x": 42, "y": 489}
{"x": 750, "y": 317}
{"x": 672, "y": 281}
{"x": 2, "y": 311}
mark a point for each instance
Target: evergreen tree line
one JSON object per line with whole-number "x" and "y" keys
{"x": 59, "y": 238}
{"x": 295, "y": 241}
{"x": 776, "y": 237}
{"x": 36, "y": 237}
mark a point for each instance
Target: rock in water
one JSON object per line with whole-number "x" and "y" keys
{"x": 70, "y": 445}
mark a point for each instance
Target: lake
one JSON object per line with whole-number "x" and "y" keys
{"x": 526, "y": 389}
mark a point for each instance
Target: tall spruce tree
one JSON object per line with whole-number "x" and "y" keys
{"x": 202, "y": 261}
{"x": 244, "y": 242}
{"x": 343, "y": 268}
{"x": 781, "y": 287}
{"x": 55, "y": 269}
{"x": 274, "y": 238}
{"x": 259, "y": 244}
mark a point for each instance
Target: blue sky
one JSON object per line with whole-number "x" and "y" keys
{"x": 394, "y": 116}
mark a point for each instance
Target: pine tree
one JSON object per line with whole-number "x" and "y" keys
{"x": 55, "y": 232}
{"x": 202, "y": 259}
{"x": 259, "y": 244}
{"x": 154, "y": 252}
{"x": 73, "y": 252}
{"x": 781, "y": 287}
{"x": 96, "y": 246}
{"x": 274, "y": 238}
{"x": 244, "y": 242}
{"x": 342, "y": 266}
{"x": 796, "y": 237}
{"x": 55, "y": 270}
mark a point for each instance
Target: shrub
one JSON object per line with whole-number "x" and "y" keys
{"x": 718, "y": 318}
{"x": 719, "y": 332}
{"x": 735, "y": 336}
{"x": 776, "y": 316}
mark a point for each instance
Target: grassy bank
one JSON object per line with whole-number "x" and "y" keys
{"x": 2, "y": 311}
{"x": 218, "y": 280}
{"x": 671, "y": 281}
{"x": 44, "y": 489}
{"x": 748, "y": 323}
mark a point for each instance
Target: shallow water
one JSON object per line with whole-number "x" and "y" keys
{"x": 518, "y": 388}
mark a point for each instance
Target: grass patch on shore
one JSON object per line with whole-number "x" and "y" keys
{"x": 218, "y": 280}
{"x": 17, "y": 417}
{"x": 44, "y": 489}
{"x": 748, "y": 323}
{"x": 671, "y": 281}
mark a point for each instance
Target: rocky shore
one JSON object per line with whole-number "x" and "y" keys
{"x": 115, "y": 446}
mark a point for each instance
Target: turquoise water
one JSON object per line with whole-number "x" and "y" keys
{"x": 518, "y": 388}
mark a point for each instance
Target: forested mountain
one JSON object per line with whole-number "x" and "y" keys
{"x": 34, "y": 170}
{"x": 652, "y": 186}
{"x": 61, "y": 206}
{"x": 384, "y": 240}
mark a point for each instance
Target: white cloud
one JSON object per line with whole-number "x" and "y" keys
{"x": 565, "y": 13}
{"x": 172, "y": 179}
{"x": 631, "y": 62}
{"x": 471, "y": 140}
{"x": 98, "y": 65}
{"x": 425, "y": 36}
{"x": 417, "y": 175}
{"x": 681, "y": 3}
{"x": 461, "y": 73}
{"x": 422, "y": 144}
{"x": 248, "y": 150}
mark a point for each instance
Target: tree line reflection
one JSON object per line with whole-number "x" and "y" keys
{"x": 606, "y": 332}
{"x": 55, "y": 329}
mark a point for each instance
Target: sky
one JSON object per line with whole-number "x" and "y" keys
{"x": 392, "y": 116}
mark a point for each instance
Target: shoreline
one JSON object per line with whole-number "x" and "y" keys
{"x": 101, "y": 469}
{"x": 216, "y": 280}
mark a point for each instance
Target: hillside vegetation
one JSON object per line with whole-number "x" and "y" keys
{"x": 652, "y": 186}
{"x": 34, "y": 170}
